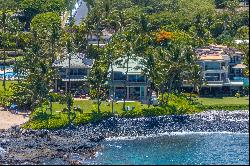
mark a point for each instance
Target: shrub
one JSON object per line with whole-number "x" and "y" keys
{"x": 227, "y": 107}
{"x": 155, "y": 111}
{"x": 131, "y": 114}
{"x": 237, "y": 95}
{"x": 83, "y": 118}
{"x": 55, "y": 97}
{"x": 5, "y": 98}
{"x": 96, "y": 117}
{"x": 45, "y": 121}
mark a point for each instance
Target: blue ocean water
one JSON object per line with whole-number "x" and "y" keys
{"x": 177, "y": 148}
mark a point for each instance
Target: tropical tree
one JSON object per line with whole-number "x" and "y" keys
{"x": 30, "y": 8}
{"x": 97, "y": 80}
{"x": 90, "y": 3}
{"x": 48, "y": 28}
{"x": 7, "y": 9}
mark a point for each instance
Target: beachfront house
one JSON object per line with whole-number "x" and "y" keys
{"x": 75, "y": 75}
{"x": 235, "y": 65}
{"x": 244, "y": 3}
{"x": 222, "y": 70}
{"x": 102, "y": 39}
{"x": 134, "y": 86}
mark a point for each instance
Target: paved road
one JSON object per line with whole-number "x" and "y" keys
{"x": 81, "y": 13}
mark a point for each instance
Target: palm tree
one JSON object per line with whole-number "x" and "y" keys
{"x": 180, "y": 59}
{"x": 6, "y": 7}
{"x": 4, "y": 20}
{"x": 89, "y": 3}
{"x": 70, "y": 50}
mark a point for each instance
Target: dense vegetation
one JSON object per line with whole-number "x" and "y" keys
{"x": 163, "y": 32}
{"x": 87, "y": 112}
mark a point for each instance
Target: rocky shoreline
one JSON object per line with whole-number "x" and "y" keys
{"x": 20, "y": 146}
{"x": 78, "y": 145}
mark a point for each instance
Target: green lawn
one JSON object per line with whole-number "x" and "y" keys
{"x": 89, "y": 105}
{"x": 224, "y": 101}
{"x": 8, "y": 83}
{"x": 58, "y": 119}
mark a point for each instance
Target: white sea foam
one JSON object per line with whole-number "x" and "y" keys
{"x": 117, "y": 146}
{"x": 170, "y": 134}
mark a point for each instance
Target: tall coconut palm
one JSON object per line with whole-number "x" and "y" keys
{"x": 6, "y": 8}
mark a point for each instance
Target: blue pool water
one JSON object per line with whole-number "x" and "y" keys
{"x": 177, "y": 148}
{"x": 8, "y": 74}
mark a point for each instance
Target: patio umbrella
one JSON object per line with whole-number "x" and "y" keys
{"x": 239, "y": 66}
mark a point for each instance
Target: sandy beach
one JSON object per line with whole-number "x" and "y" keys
{"x": 7, "y": 119}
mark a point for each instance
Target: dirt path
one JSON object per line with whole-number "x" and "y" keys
{"x": 7, "y": 119}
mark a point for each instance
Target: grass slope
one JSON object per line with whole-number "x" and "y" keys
{"x": 224, "y": 101}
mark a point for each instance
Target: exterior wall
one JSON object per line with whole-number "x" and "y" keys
{"x": 136, "y": 88}
{"x": 244, "y": 3}
{"x": 74, "y": 73}
{"x": 234, "y": 60}
{"x": 221, "y": 77}
{"x": 132, "y": 92}
{"x": 214, "y": 70}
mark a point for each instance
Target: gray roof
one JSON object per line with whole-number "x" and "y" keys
{"x": 77, "y": 61}
{"x": 134, "y": 65}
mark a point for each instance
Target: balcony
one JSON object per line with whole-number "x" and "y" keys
{"x": 215, "y": 82}
{"x": 136, "y": 81}
{"x": 74, "y": 78}
{"x": 130, "y": 79}
{"x": 241, "y": 80}
{"x": 215, "y": 68}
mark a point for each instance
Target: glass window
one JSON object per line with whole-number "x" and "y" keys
{"x": 142, "y": 93}
{"x": 75, "y": 72}
{"x": 132, "y": 78}
{"x": 62, "y": 70}
{"x": 134, "y": 93}
{"x": 82, "y": 72}
{"x": 212, "y": 66}
{"x": 71, "y": 71}
{"x": 120, "y": 92}
{"x": 213, "y": 77}
{"x": 140, "y": 78}
{"x": 119, "y": 76}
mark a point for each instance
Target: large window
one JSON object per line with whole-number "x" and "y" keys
{"x": 213, "y": 77}
{"x": 118, "y": 76}
{"x": 134, "y": 93}
{"x": 82, "y": 72}
{"x": 120, "y": 92}
{"x": 78, "y": 72}
{"x": 73, "y": 72}
{"x": 140, "y": 78}
{"x": 212, "y": 66}
{"x": 132, "y": 78}
{"x": 136, "y": 78}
